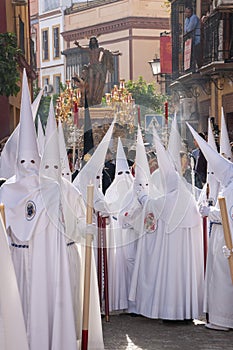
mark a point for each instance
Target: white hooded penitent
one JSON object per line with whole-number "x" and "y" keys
{"x": 28, "y": 159}
{"x": 50, "y": 162}
{"x": 65, "y": 168}
{"x": 174, "y": 145}
{"x": 9, "y": 152}
{"x": 222, "y": 167}
{"x": 122, "y": 182}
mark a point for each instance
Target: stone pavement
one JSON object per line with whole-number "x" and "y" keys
{"x": 124, "y": 332}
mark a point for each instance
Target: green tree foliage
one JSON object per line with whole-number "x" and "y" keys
{"x": 9, "y": 72}
{"x": 146, "y": 95}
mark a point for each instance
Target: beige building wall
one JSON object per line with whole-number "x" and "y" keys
{"x": 131, "y": 26}
{"x": 114, "y": 11}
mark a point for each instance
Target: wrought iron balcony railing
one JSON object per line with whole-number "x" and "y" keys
{"x": 216, "y": 44}
{"x": 217, "y": 41}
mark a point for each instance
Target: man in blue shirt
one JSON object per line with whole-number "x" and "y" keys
{"x": 192, "y": 25}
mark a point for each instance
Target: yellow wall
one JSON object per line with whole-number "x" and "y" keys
{"x": 144, "y": 42}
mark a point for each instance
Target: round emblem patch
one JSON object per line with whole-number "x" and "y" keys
{"x": 30, "y": 210}
{"x": 150, "y": 223}
{"x": 231, "y": 213}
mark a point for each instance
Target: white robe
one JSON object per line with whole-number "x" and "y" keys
{"x": 218, "y": 284}
{"x": 11, "y": 315}
{"x": 168, "y": 279}
{"x": 44, "y": 272}
{"x": 130, "y": 218}
{"x": 117, "y": 267}
{"x": 75, "y": 221}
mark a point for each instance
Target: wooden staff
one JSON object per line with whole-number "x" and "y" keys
{"x": 205, "y": 231}
{"x": 192, "y": 176}
{"x": 2, "y": 211}
{"x": 99, "y": 258}
{"x": 227, "y": 232}
{"x": 106, "y": 298}
{"x": 87, "y": 276}
{"x": 103, "y": 264}
{"x": 139, "y": 116}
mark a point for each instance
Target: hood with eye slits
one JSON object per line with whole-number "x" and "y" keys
{"x": 28, "y": 159}
{"x": 222, "y": 167}
{"x": 9, "y": 154}
{"x": 122, "y": 182}
{"x": 65, "y": 168}
{"x": 50, "y": 162}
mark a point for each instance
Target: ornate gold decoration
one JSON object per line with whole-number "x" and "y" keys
{"x": 66, "y": 103}
{"x": 123, "y": 104}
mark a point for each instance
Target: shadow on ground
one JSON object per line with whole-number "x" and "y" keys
{"x": 139, "y": 333}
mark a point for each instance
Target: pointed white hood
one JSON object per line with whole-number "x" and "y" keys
{"x": 167, "y": 170}
{"x": 122, "y": 182}
{"x": 121, "y": 161}
{"x": 65, "y": 168}
{"x": 50, "y": 162}
{"x": 223, "y": 168}
{"x": 40, "y": 137}
{"x": 9, "y": 152}
{"x": 142, "y": 170}
{"x": 91, "y": 173}
{"x": 225, "y": 147}
{"x": 28, "y": 160}
{"x": 50, "y": 170}
{"x": 174, "y": 145}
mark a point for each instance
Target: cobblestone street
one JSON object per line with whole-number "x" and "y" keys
{"x": 125, "y": 332}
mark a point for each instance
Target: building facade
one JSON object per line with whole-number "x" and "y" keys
{"x": 15, "y": 19}
{"x": 200, "y": 91}
{"x": 48, "y": 25}
{"x": 130, "y": 27}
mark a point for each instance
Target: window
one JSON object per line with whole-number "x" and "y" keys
{"x": 33, "y": 54}
{"x": 45, "y": 84}
{"x": 50, "y": 5}
{"x": 56, "y": 83}
{"x": 45, "y": 44}
{"x": 45, "y": 81}
{"x": 56, "y": 42}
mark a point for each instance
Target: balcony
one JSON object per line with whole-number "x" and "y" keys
{"x": 217, "y": 38}
{"x": 222, "y": 5}
{"x": 216, "y": 54}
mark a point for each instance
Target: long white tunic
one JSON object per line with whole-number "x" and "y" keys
{"x": 75, "y": 221}
{"x": 168, "y": 280}
{"x": 41, "y": 263}
{"x": 117, "y": 267}
{"x": 11, "y": 315}
{"x": 218, "y": 284}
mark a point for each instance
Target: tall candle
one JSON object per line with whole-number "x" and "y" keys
{"x": 139, "y": 116}
{"x": 90, "y": 195}
{"x": 2, "y": 212}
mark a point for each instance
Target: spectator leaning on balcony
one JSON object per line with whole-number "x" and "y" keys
{"x": 192, "y": 24}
